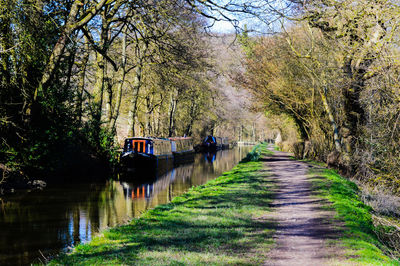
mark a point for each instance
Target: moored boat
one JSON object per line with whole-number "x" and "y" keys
{"x": 182, "y": 149}
{"x": 147, "y": 154}
{"x": 209, "y": 144}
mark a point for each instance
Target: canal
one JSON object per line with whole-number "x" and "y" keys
{"x": 41, "y": 224}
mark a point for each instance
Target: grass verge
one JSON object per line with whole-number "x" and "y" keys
{"x": 217, "y": 223}
{"x": 361, "y": 244}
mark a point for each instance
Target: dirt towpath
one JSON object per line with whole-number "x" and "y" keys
{"x": 303, "y": 226}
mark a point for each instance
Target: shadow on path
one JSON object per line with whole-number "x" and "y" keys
{"x": 304, "y": 225}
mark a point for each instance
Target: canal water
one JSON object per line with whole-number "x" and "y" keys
{"x": 41, "y": 224}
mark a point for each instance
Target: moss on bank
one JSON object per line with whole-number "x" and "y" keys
{"x": 360, "y": 242}
{"x": 216, "y": 223}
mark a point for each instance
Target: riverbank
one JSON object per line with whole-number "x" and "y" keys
{"x": 359, "y": 242}
{"x": 11, "y": 181}
{"x": 86, "y": 166}
{"x": 216, "y": 223}
{"x": 233, "y": 220}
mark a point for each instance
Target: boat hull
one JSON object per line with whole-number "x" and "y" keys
{"x": 183, "y": 157}
{"x": 147, "y": 163}
{"x": 209, "y": 147}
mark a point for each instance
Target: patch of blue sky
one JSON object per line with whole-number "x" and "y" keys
{"x": 260, "y": 16}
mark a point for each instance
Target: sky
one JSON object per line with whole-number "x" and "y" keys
{"x": 222, "y": 27}
{"x": 263, "y": 20}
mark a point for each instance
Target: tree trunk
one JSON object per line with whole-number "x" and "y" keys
{"x": 81, "y": 82}
{"x": 108, "y": 96}
{"x": 147, "y": 116}
{"x": 117, "y": 105}
{"x": 133, "y": 103}
{"x": 6, "y": 44}
{"x": 99, "y": 88}
{"x": 58, "y": 49}
{"x": 254, "y": 132}
{"x": 354, "y": 113}
{"x": 193, "y": 112}
{"x": 336, "y": 138}
{"x": 172, "y": 111}
{"x": 104, "y": 88}
{"x": 302, "y": 127}
{"x": 137, "y": 83}
{"x": 71, "y": 63}
{"x": 70, "y": 26}
{"x": 158, "y": 121}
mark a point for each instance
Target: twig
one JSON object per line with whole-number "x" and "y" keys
{"x": 45, "y": 259}
{"x": 2, "y": 206}
{"x": 395, "y": 126}
{"x": 9, "y": 49}
{"x": 4, "y": 176}
{"x": 390, "y": 238}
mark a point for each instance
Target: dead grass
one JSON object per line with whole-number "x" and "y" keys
{"x": 388, "y": 232}
{"x": 383, "y": 202}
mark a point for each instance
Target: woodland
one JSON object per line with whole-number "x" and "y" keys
{"x": 78, "y": 76}
{"x": 334, "y": 73}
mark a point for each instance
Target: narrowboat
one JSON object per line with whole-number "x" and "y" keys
{"x": 182, "y": 149}
{"x": 209, "y": 144}
{"x": 148, "y": 154}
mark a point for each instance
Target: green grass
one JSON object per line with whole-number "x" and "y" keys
{"x": 217, "y": 223}
{"x": 359, "y": 240}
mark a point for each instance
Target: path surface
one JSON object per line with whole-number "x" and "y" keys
{"x": 303, "y": 226}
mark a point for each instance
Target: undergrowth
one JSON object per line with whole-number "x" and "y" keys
{"x": 360, "y": 242}
{"x": 254, "y": 154}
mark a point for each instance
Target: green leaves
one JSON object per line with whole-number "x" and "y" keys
{"x": 248, "y": 43}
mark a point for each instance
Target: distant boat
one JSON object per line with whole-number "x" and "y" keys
{"x": 147, "y": 154}
{"x": 209, "y": 144}
{"x": 212, "y": 143}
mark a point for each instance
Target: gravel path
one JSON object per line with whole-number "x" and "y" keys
{"x": 303, "y": 226}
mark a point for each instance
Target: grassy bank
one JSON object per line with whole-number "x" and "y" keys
{"x": 358, "y": 238}
{"x": 216, "y": 223}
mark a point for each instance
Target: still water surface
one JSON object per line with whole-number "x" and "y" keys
{"x": 44, "y": 223}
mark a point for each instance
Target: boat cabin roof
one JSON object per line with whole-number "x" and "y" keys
{"x": 145, "y": 138}
{"x": 179, "y": 138}
{"x": 138, "y": 138}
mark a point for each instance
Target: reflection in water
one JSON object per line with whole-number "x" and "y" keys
{"x": 50, "y": 221}
{"x": 210, "y": 156}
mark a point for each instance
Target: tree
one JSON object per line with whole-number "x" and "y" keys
{"x": 364, "y": 30}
